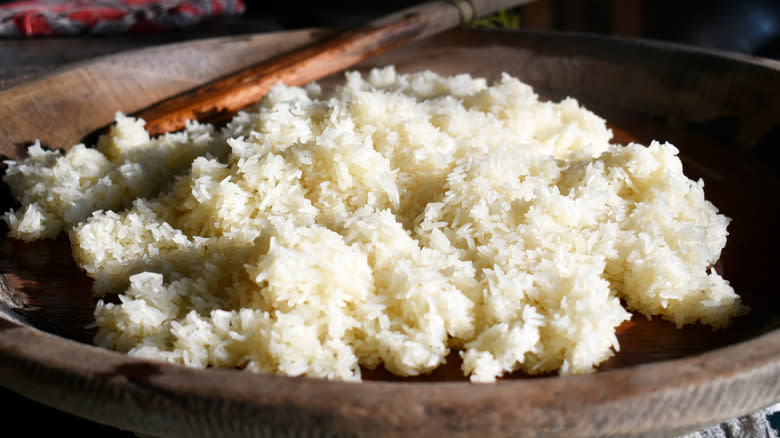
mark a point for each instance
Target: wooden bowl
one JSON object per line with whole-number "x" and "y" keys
{"x": 721, "y": 110}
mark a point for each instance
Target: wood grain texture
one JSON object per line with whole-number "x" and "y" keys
{"x": 720, "y": 110}
{"x": 127, "y": 82}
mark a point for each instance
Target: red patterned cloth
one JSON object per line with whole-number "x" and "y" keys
{"x": 107, "y": 17}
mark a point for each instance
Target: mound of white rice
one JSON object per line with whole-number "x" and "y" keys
{"x": 387, "y": 223}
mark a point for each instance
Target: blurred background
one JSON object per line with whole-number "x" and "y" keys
{"x": 749, "y": 26}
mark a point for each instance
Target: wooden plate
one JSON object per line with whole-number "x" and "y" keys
{"x": 722, "y": 111}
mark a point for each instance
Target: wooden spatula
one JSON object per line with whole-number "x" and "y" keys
{"x": 218, "y": 100}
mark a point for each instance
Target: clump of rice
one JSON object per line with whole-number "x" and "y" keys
{"x": 387, "y": 223}
{"x": 57, "y": 191}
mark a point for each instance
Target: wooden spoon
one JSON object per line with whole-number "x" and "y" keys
{"x": 219, "y": 100}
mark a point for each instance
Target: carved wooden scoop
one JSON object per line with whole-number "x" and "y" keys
{"x": 218, "y": 100}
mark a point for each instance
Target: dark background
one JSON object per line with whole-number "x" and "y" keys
{"x": 747, "y": 26}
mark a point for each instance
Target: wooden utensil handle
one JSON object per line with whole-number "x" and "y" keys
{"x": 220, "y": 99}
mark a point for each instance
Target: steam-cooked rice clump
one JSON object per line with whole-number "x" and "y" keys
{"x": 386, "y": 223}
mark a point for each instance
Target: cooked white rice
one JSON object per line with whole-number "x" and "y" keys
{"x": 387, "y": 223}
